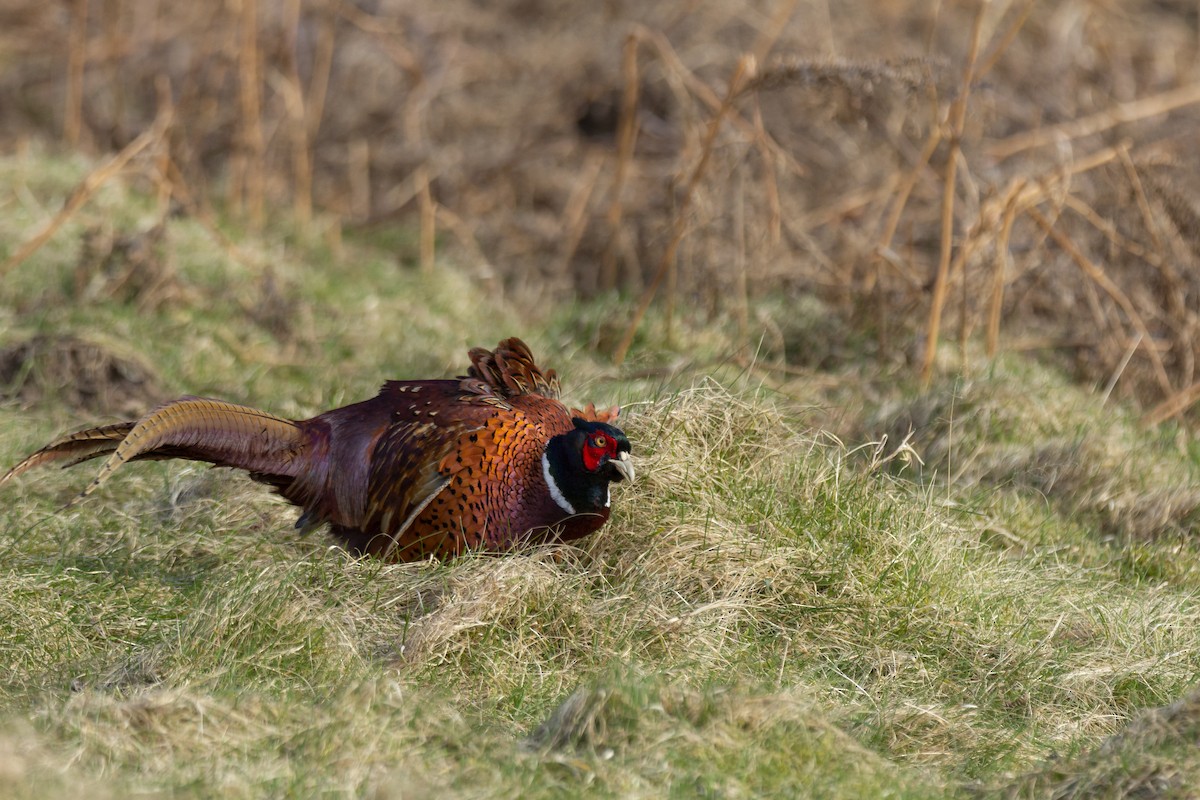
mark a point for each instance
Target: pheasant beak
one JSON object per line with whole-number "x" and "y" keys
{"x": 623, "y": 466}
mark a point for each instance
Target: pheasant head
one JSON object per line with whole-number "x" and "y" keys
{"x": 579, "y": 466}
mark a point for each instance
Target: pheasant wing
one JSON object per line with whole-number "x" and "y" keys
{"x": 408, "y": 472}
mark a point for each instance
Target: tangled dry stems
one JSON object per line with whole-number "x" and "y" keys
{"x": 830, "y": 175}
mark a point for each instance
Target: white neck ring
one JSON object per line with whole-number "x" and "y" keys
{"x": 555, "y": 492}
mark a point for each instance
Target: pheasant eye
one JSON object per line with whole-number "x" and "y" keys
{"x": 599, "y": 441}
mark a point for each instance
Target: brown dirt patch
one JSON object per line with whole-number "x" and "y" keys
{"x": 81, "y": 374}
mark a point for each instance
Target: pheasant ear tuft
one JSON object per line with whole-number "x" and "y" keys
{"x": 580, "y": 423}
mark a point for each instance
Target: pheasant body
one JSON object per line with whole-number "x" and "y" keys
{"x": 490, "y": 461}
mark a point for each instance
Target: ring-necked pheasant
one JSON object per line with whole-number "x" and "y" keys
{"x": 491, "y": 460}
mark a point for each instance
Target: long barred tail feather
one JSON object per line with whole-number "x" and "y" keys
{"x": 196, "y": 428}
{"x": 74, "y": 448}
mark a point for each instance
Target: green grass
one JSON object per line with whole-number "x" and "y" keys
{"x": 771, "y": 611}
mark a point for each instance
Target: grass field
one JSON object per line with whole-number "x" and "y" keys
{"x": 796, "y": 599}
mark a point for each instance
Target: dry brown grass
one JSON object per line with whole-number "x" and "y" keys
{"x": 1033, "y": 435}
{"x": 94, "y": 376}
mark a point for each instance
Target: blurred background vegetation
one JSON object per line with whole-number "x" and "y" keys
{"x": 1018, "y": 173}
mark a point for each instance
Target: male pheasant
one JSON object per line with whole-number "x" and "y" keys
{"x": 488, "y": 461}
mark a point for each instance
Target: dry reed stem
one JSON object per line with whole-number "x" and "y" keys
{"x": 1175, "y": 405}
{"x": 672, "y": 283}
{"x": 906, "y": 187}
{"x": 358, "y": 169}
{"x": 706, "y": 95}
{"x": 975, "y": 239}
{"x": 76, "y": 64}
{"x": 1101, "y": 319}
{"x": 1097, "y": 159}
{"x": 883, "y": 253}
{"x": 965, "y": 252}
{"x": 813, "y": 248}
{"x": 742, "y": 307}
{"x": 293, "y": 93}
{"x": 1158, "y": 257}
{"x": 1095, "y": 123}
{"x": 1139, "y": 193}
{"x": 414, "y": 127}
{"x": 318, "y": 85}
{"x": 996, "y": 299}
{"x": 574, "y": 218}
{"x": 770, "y": 182}
{"x": 162, "y": 162}
{"x": 745, "y": 66}
{"x": 88, "y": 186}
{"x": 253, "y": 143}
{"x": 1093, "y": 218}
{"x": 847, "y": 204}
{"x": 1098, "y": 276}
{"x": 111, "y": 14}
{"x": 771, "y": 32}
{"x": 163, "y": 183}
{"x": 1006, "y": 39}
{"x": 1120, "y": 370}
{"x": 957, "y": 119}
{"x": 626, "y": 138}
{"x": 1175, "y": 292}
{"x": 1029, "y": 192}
{"x": 403, "y": 193}
{"x": 415, "y": 106}
{"x": 388, "y": 36}
{"x": 428, "y": 213}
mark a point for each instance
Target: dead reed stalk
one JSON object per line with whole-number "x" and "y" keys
{"x": 574, "y": 216}
{"x": 154, "y": 136}
{"x": 672, "y": 62}
{"x": 414, "y": 114}
{"x": 253, "y": 169}
{"x": 1097, "y": 275}
{"x": 956, "y": 120}
{"x": 1006, "y": 39}
{"x": 293, "y": 92}
{"x": 1119, "y": 114}
{"x": 904, "y": 191}
{"x": 626, "y": 138}
{"x": 741, "y": 296}
{"x": 996, "y": 296}
{"x": 745, "y": 67}
{"x": 76, "y": 64}
{"x": 318, "y": 84}
{"x": 1174, "y": 405}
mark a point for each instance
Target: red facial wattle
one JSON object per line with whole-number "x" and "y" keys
{"x": 596, "y": 448}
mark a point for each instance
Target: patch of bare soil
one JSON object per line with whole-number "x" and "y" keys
{"x": 81, "y": 374}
